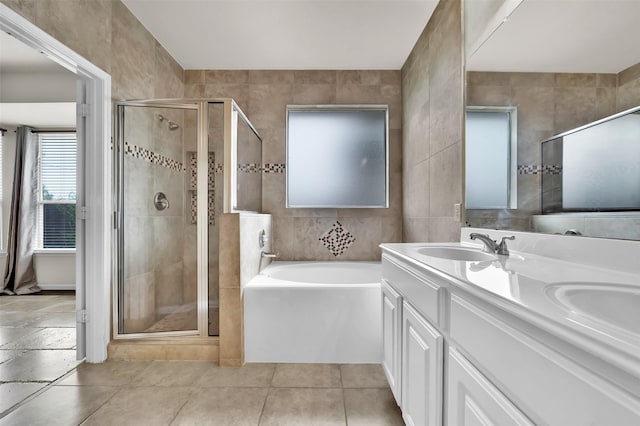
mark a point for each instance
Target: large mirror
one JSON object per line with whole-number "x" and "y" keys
{"x": 555, "y": 66}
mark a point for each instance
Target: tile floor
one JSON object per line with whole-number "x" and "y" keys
{"x": 42, "y": 384}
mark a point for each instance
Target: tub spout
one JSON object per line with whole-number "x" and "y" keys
{"x": 270, "y": 255}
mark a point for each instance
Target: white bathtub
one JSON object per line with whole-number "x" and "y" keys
{"x": 328, "y": 312}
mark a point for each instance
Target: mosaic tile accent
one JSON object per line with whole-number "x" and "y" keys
{"x": 273, "y": 168}
{"x": 193, "y": 170}
{"x": 337, "y": 239}
{"x": 219, "y": 168}
{"x": 153, "y": 157}
{"x": 533, "y": 169}
{"x": 211, "y": 205}
{"x": 250, "y": 168}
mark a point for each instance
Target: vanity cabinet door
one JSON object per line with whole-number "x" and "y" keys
{"x": 422, "y": 365}
{"x": 392, "y": 337}
{"x": 473, "y": 401}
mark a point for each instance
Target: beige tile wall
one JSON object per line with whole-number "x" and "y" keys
{"x": 548, "y": 104}
{"x": 628, "y": 93}
{"x": 432, "y": 87}
{"x": 263, "y": 96}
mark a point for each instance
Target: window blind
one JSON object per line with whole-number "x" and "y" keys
{"x": 57, "y": 190}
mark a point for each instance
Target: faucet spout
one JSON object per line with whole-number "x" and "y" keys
{"x": 489, "y": 245}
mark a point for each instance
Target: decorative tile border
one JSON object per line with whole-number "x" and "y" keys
{"x": 211, "y": 205}
{"x": 193, "y": 170}
{"x": 273, "y": 168}
{"x": 534, "y": 169}
{"x": 250, "y": 168}
{"x": 153, "y": 157}
{"x": 261, "y": 168}
{"x": 337, "y": 239}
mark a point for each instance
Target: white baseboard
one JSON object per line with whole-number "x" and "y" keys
{"x": 57, "y": 286}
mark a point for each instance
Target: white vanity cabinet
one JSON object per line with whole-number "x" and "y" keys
{"x": 473, "y": 400}
{"x": 392, "y": 338}
{"x": 466, "y": 360}
{"x": 422, "y": 368}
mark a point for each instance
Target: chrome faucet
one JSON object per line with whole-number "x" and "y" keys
{"x": 491, "y": 245}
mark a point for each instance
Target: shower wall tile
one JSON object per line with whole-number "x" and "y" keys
{"x": 169, "y": 81}
{"x": 26, "y": 8}
{"x": 225, "y": 76}
{"x": 269, "y": 91}
{"x": 432, "y": 109}
{"x": 365, "y": 77}
{"x": 308, "y": 94}
{"x": 304, "y": 77}
{"x": 134, "y": 58}
{"x": 192, "y": 77}
{"x": 84, "y": 26}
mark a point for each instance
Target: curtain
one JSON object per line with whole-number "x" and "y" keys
{"x": 20, "y": 275}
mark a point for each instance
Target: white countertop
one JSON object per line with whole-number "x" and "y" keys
{"x": 524, "y": 285}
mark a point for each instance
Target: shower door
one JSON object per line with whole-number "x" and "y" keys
{"x": 157, "y": 156}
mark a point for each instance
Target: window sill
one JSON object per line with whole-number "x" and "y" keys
{"x": 54, "y": 251}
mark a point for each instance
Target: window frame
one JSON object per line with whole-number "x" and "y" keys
{"x": 512, "y": 155}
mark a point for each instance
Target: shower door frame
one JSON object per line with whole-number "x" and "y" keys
{"x": 202, "y": 231}
{"x": 230, "y": 131}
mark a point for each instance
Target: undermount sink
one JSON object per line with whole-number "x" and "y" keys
{"x": 456, "y": 253}
{"x": 616, "y": 305}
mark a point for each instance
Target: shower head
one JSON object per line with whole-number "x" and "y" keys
{"x": 172, "y": 125}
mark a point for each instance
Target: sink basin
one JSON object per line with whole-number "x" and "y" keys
{"x": 616, "y": 305}
{"x": 456, "y": 253}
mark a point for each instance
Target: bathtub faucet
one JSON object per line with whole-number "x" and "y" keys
{"x": 269, "y": 255}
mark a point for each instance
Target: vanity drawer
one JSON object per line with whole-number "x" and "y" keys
{"x": 545, "y": 385}
{"x": 423, "y": 294}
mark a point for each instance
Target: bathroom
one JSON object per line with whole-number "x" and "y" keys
{"x": 426, "y": 133}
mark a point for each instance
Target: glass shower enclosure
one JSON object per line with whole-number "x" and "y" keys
{"x": 179, "y": 165}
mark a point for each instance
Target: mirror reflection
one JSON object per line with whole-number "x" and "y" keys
{"x": 585, "y": 70}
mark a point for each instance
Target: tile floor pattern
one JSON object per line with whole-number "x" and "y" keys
{"x": 41, "y": 384}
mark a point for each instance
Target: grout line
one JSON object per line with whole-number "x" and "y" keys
{"x": 264, "y": 404}
{"x": 344, "y": 403}
{"x": 192, "y": 392}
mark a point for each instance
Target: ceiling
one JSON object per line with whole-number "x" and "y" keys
{"x": 19, "y": 64}
{"x": 286, "y": 34}
{"x": 56, "y": 115}
{"x": 595, "y": 36}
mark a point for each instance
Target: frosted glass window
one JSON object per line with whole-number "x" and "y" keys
{"x": 488, "y": 159}
{"x": 601, "y": 166}
{"x": 336, "y": 157}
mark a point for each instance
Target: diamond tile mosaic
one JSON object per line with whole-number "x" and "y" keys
{"x": 337, "y": 239}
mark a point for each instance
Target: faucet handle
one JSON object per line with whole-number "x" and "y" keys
{"x": 502, "y": 247}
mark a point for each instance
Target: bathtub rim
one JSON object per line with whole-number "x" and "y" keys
{"x": 262, "y": 280}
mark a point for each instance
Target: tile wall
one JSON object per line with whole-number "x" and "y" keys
{"x": 548, "y": 104}
{"x": 263, "y": 96}
{"x": 432, "y": 87}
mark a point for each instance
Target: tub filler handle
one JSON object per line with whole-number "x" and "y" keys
{"x": 270, "y": 255}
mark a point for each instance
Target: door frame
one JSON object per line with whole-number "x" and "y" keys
{"x": 93, "y": 276}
